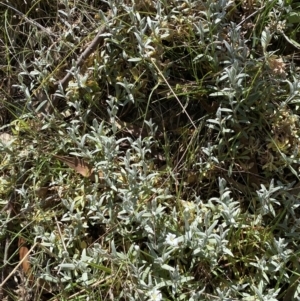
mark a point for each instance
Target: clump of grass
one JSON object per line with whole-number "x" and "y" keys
{"x": 164, "y": 167}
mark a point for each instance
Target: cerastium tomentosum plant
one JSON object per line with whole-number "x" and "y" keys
{"x": 186, "y": 114}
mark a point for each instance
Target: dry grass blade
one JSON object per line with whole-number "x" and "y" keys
{"x": 134, "y": 130}
{"x": 24, "y": 255}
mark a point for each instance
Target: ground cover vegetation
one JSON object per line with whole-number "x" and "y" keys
{"x": 149, "y": 150}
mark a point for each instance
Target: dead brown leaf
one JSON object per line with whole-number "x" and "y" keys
{"x": 79, "y": 165}
{"x": 42, "y": 192}
{"x": 24, "y": 258}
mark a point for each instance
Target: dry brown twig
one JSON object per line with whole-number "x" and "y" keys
{"x": 51, "y": 105}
